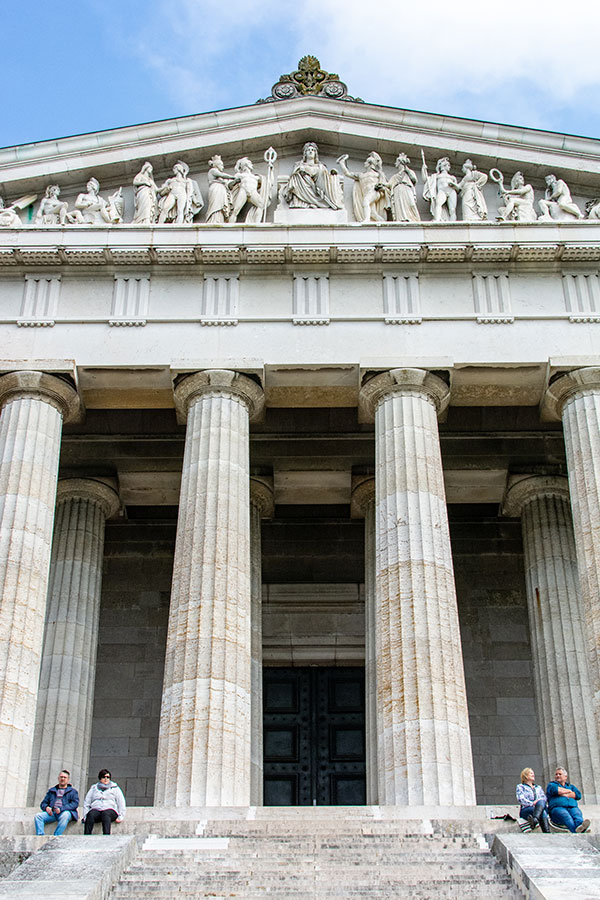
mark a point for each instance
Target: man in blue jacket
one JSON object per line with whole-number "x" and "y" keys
{"x": 59, "y": 805}
{"x": 562, "y": 803}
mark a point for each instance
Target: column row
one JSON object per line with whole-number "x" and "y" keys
{"x": 418, "y": 745}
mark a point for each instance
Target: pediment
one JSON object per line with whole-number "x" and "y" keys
{"x": 337, "y": 127}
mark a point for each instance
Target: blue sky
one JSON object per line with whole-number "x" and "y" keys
{"x": 73, "y": 66}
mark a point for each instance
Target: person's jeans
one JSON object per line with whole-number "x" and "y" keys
{"x": 538, "y": 811}
{"x": 571, "y": 816}
{"x": 62, "y": 819}
{"x": 106, "y": 816}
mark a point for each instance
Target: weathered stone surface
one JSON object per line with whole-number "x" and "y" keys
{"x": 205, "y": 731}
{"x": 559, "y": 648}
{"x": 424, "y": 744}
{"x": 66, "y": 692}
{"x": 33, "y": 408}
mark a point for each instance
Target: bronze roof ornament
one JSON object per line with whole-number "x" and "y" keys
{"x": 309, "y": 79}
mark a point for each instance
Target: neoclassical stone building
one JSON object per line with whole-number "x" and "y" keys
{"x": 299, "y": 480}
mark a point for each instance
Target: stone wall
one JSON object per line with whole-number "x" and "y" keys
{"x": 133, "y": 628}
{"x": 490, "y": 586}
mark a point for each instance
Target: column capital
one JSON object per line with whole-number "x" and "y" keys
{"x": 89, "y": 489}
{"x": 569, "y": 385}
{"x": 50, "y": 388}
{"x": 522, "y": 489}
{"x": 363, "y": 493}
{"x": 214, "y": 381}
{"x": 404, "y": 381}
{"x": 261, "y": 495}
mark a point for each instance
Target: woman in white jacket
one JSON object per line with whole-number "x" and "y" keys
{"x": 104, "y": 802}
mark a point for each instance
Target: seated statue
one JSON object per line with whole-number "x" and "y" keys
{"x": 180, "y": 197}
{"x": 311, "y": 185}
{"x": 52, "y": 211}
{"x": 9, "y": 218}
{"x": 92, "y": 209}
{"x": 370, "y": 194}
{"x": 518, "y": 199}
{"x": 557, "y": 202}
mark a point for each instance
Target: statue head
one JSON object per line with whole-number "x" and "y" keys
{"x": 374, "y": 161}
{"x": 517, "y": 181}
{"x": 403, "y": 160}
{"x": 147, "y": 167}
{"x": 215, "y": 162}
{"x": 52, "y": 190}
{"x": 181, "y": 168}
{"x": 244, "y": 165}
{"x": 550, "y": 180}
{"x": 93, "y": 186}
{"x": 468, "y": 166}
{"x": 443, "y": 165}
{"x": 310, "y": 151}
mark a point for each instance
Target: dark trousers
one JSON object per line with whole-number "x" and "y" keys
{"x": 106, "y": 816}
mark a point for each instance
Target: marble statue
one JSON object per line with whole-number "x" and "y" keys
{"x": 592, "y": 208}
{"x": 145, "y": 196}
{"x": 9, "y": 217}
{"x": 441, "y": 189}
{"x": 52, "y": 211}
{"x": 92, "y": 209}
{"x": 369, "y": 197}
{"x": 311, "y": 185}
{"x": 219, "y": 195}
{"x": 403, "y": 195}
{"x": 557, "y": 202}
{"x": 470, "y": 188}
{"x": 180, "y": 197}
{"x": 518, "y": 199}
{"x": 249, "y": 188}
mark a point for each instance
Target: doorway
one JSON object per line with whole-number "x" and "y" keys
{"x": 314, "y": 736}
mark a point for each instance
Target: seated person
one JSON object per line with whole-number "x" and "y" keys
{"x": 59, "y": 805}
{"x": 104, "y": 802}
{"x": 562, "y": 803}
{"x": 532, "y": 800}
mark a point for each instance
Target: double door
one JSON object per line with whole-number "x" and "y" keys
{"x": 314, "y": 736}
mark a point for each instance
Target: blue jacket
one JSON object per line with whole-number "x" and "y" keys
{"x": 70, "y": 800}
{"x": 555, "y": 800}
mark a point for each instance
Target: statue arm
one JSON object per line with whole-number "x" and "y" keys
{"x": 342, "y": 161}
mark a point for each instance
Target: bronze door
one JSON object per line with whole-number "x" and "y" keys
{"x": 314, "y": 736}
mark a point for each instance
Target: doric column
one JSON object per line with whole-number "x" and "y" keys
{"x": 363, "y": 505}
{"x": 555, "y": 619}
{"x": 261, "y": 507}
{"x": 575, "y": 398}
{"x": 66, "y": 692}
{"x": 205, "y": 724}
{"x": 34, "y": 407}
{"x": 424, "y": 744}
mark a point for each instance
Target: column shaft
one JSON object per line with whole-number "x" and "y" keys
{"x": 33, "y": 406}
{"x": 424, "y": 746}
{"x": 68, "y": 671}
{"x": 205, "y": 727}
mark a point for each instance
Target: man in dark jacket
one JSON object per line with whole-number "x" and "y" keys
{"x": 562, "y": 803}
{"x": 59, "y": 805}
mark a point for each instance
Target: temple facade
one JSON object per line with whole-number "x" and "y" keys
{"x": 299, "y": 443}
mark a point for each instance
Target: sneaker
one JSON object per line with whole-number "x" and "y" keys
{"x": 583, "y": 827}
{"x": 560, "y": 828}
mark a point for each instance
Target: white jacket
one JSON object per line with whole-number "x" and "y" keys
{"x": 111, "y": 798}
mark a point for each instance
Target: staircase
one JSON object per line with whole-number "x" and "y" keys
{"x": 307, "y": 859}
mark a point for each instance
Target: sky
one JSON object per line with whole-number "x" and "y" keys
{"x": 75, "y": 66}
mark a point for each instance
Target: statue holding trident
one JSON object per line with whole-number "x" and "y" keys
{"x": 441, "y": 189}
{"x": 254, "y": 190}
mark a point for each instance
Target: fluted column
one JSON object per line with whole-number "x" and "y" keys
{"x": 363, "y": 505}
{"x": 424, "y": 744}
{"x": 34, "y": 406}
{"x": 575, "y": 398}
{"x": 66, "y": 692}
{"x": 261, "y": 507}
{"x": 559, "y": 651}
{"x": 205, "y": 725}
